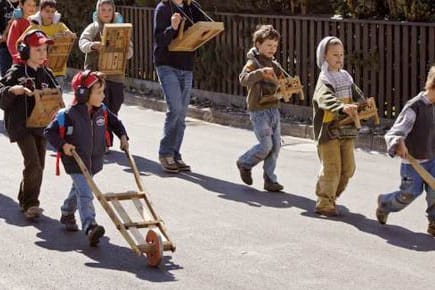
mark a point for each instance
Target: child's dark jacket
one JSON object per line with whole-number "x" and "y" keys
{"x": 86, "y": 131}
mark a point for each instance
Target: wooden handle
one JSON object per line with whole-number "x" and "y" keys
{"x": 424, "y": 174}
{"x": 181, "y": 29}
{"x": 133, "y": 165}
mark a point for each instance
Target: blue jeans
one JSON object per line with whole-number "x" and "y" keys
{"x": 410, "y": 188}
{"x": 5, "y": 60}
{"x": 177, "y": 86}
{"x": 267, "y": 129}
{"x": 80, "y": 197}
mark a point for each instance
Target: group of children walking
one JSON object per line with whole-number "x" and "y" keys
{"x": 335, "y": 96}
{"x": 85, "y": 126}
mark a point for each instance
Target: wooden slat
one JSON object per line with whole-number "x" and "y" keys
{"x": 389, "y": 68}
{"x": 397, "y": 94}
{"x": 123, "y": 196}
{"x": 140, "y": 225}
{"x": 404, "y": 47}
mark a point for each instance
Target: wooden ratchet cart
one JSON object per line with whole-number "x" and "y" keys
{"x": 156, "y": 240}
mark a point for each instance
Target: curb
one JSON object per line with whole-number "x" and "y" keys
{"x": 241, "y": 120}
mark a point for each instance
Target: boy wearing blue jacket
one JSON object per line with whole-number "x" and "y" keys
{"x": 83, "y": 127}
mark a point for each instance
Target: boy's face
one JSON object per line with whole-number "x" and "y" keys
{"x": 47, "y": 15}
{"x": 268, "y": 48}
{"x": 105, "y": 13}
{"x": 29, "y": 8}
{"x": 97, "y": 95}
{"x": 335, "y": 57}
{"x": 38, "y": 55}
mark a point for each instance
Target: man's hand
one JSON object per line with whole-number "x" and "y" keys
{"x": 176, "y": 20}
{"x": 20, "y": 90}
{"x": 68, "y": 148}
{"x": 124, "y": 143}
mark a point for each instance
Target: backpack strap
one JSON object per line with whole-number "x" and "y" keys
{"x": 106, "y": 125}
{"x": 60, "y": 117}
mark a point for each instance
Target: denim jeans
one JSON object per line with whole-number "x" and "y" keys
{"x": 410, "y": 188}
{"x": 267, "y": 129}
{"x": 5, "y": 60}
{"x": 177, "y": 86}
{"x": 80, "y": 197}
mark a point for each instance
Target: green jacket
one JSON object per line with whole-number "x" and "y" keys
{"x": 327, "y": 110}
{"x": 261, "y": 92}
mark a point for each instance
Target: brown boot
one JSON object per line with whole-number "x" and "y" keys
{"x": 328, "y": 212}
{"x": 245, "y": 174}
{"x": 168, "y": 164}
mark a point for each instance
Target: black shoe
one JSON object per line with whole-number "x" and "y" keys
{"x": 245, "y": 174}
{"x": 94, "y": 233}
{"x": 70, "y": 222}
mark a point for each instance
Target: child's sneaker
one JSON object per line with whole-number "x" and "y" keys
{"x": 245, "y": 174}
{"x": 431, "y": 228}
{"x": 94, "y": 233}
{"x": 168, "y": 164}
{"x": 70, "y": 222}
{"x": 273, "y": 186}
{"x": 33, "y": 212}
{"x": 381, "y": 215}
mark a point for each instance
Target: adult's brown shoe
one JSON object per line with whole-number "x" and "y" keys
{"x": 168, "y": 164}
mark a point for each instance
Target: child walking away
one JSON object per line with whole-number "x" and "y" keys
{"x": 18, "y": 26}
{"x": 83, "y": 128}
{"x": 18, "y": 103}
{"x": 260, "y": 75}
{"x": 413, "y": 134}
{"x": 90, "y": 44}
{"x": 334, "y": 97}
{"x": 48, "y": 20}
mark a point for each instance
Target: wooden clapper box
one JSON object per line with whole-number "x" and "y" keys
{"x": 196, "y": 35}
{"x": 59, "y": 52}
{"x": 116, "y": 41}
{"x": 47, "y": 103}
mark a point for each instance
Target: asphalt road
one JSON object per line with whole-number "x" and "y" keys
{"x": 228, "y": 235}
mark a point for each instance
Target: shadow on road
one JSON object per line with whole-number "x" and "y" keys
{"x": 106, "y": 256}
{"x": 394, "y": 235}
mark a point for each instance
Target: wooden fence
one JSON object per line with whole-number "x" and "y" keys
{"x": 388, "y": 60}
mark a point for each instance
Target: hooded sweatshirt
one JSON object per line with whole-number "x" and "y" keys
{"x": 261, "y": 92}
{"x": 93, "y": 33}
{"x": 51, "y": 30}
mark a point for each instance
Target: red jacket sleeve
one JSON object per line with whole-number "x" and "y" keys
{"x": 17, "y": 28}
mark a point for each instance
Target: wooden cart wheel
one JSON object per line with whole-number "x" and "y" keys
{"x": 155, "y": 255}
